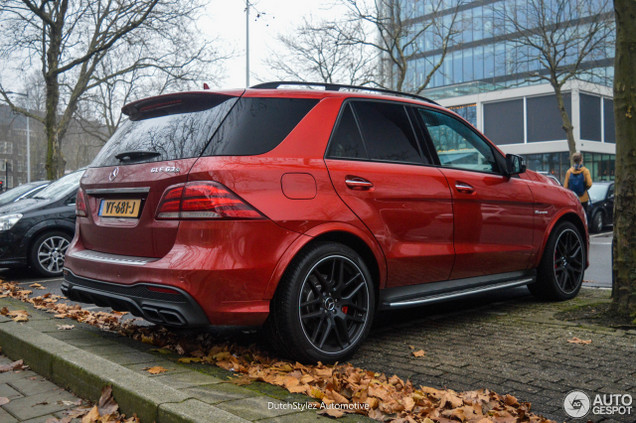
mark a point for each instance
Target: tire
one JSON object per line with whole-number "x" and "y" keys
{"x": 324, "y": 305}
{"x": 47, "y": 253}
{"x": 560, "y": 273}
{"x": 598, "y": 222}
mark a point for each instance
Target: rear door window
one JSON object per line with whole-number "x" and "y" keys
{"x": 258, "y": 125}
{"x": 166, "y": 131}
{"x": 376, "y": 131}
{"x": 387, "y": 132}
{"x": 346, "y": 141}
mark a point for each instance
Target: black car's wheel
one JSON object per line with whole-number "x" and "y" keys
{"x": 324, "y": 305}
{"x": 47, "y": 253}
{"x": 560, "y": 273}
{"x": 598, "y": 222}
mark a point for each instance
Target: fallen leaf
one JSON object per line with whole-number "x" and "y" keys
{"x": 155, "y": 370}
{"x": 65, "y": 327}
{"x": 18, "y": 315}
{"x": 418, "y": 353}
{"x": 16, "y": 365}
{"x": 576, "y": 340}
{"x": 92, "y": 416}
{"x": 107, "y": 405}
{"x": 4, "y": 400}
{"x": 37, "y": 286}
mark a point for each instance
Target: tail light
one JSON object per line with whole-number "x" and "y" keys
{"x": 203, "y": 200}
{"x": 80, "y": 204}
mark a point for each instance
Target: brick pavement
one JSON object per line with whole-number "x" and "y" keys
{"x": 515, "y": 347}
{"x": 32, "y": 398}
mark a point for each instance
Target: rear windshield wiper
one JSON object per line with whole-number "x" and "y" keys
{"x": 136, "y": 155}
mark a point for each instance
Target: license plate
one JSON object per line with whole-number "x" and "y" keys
{"x": 120, "y": 208}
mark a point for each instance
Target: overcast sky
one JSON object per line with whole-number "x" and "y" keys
{"x": 227, "y": 19}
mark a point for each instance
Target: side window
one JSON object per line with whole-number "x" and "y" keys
{"x": 257, "y": 125}
{"x": 457, "y": 145}
{"x": 346, "y": 142}
{"x": 387, "y": 132}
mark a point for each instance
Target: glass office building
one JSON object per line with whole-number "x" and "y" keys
{"x": 485, "y": 79}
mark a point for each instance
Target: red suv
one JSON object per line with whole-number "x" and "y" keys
{"x": 307, "y": 210}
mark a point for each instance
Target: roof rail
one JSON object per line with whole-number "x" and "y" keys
{"x": 337, "y": 87}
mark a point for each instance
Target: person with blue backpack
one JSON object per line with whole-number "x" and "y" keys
{"x": 578, "y": 179}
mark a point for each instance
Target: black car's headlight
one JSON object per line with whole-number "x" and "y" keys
{"x": 8, "y": 220}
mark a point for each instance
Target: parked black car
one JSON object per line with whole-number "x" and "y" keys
{"x": 22, "y": 191}
{"x": 600, "y": 211}
{"x": 37, "y": 231}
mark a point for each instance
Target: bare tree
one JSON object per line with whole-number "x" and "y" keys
{"x": 71, "y": 39}
{"x": 563, "y": 36}
{"x": 398, "y": 34}
{"x": 624, "y": 244}
{"x": 187, "y": 65}
{"x": 323, "y": 52}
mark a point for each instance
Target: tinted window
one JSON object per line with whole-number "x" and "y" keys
{"x": 387, "y": 132}
{"x": 456, "y": 144}
{"x": 503, "y": 122}
{"x": 346, "y": 141}
{"x": 590, "y": 109}
{"x": 172, "y": 133}
{"x": 257, "y": 125}
{"x": 544, "y": 118}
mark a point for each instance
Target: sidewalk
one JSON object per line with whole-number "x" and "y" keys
{"x": 86, "y": 359}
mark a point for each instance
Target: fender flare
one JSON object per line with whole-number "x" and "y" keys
{"x": 567, "y": 213}
{"x": 304, "y": 239}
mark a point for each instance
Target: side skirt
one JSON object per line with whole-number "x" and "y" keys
{"x": 415, "y": 295}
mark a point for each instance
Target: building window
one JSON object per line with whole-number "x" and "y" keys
{"x": 6, "y": 147}
{"x": 544, "y": 118}
{"x": 608, "y": 117}
{"x": 467, "y": 111}
{"x": 590, "y": 115}
{"x": 503, "y": 122}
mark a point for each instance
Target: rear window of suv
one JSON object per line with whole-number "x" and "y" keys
{"x": 166, "y": 131}
{"x": 238, "y": 127}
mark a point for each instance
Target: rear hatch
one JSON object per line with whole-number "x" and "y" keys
{"x": 152, "y": 151}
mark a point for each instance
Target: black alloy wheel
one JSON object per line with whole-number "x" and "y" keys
{"x": 324, "y": 306}
{"x": 562, "y": 267}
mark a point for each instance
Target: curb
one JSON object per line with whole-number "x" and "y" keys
{"x": 85, "y": 374}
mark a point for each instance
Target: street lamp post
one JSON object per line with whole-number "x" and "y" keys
{"x": 28, "y": 138}
{"x": 247, "y": 43}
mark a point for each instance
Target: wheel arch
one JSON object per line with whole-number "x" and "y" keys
{"x": 35, "y": 232}
{"x": 344, "y": 234}
{"x": 576, "y": 221}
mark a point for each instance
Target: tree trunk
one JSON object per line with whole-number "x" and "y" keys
{"x": 565, "y": 119}
{"x": 624, "y": 245}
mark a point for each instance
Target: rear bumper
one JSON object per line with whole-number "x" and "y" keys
{"x": 222, "y": 270}
{"x": 173, "y": 307}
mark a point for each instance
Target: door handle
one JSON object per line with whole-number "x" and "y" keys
{"x": 358, "y": 183}
{"x": 463, "y": 187}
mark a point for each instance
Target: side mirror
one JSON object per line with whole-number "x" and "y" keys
{"x": 515, "y": 164}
